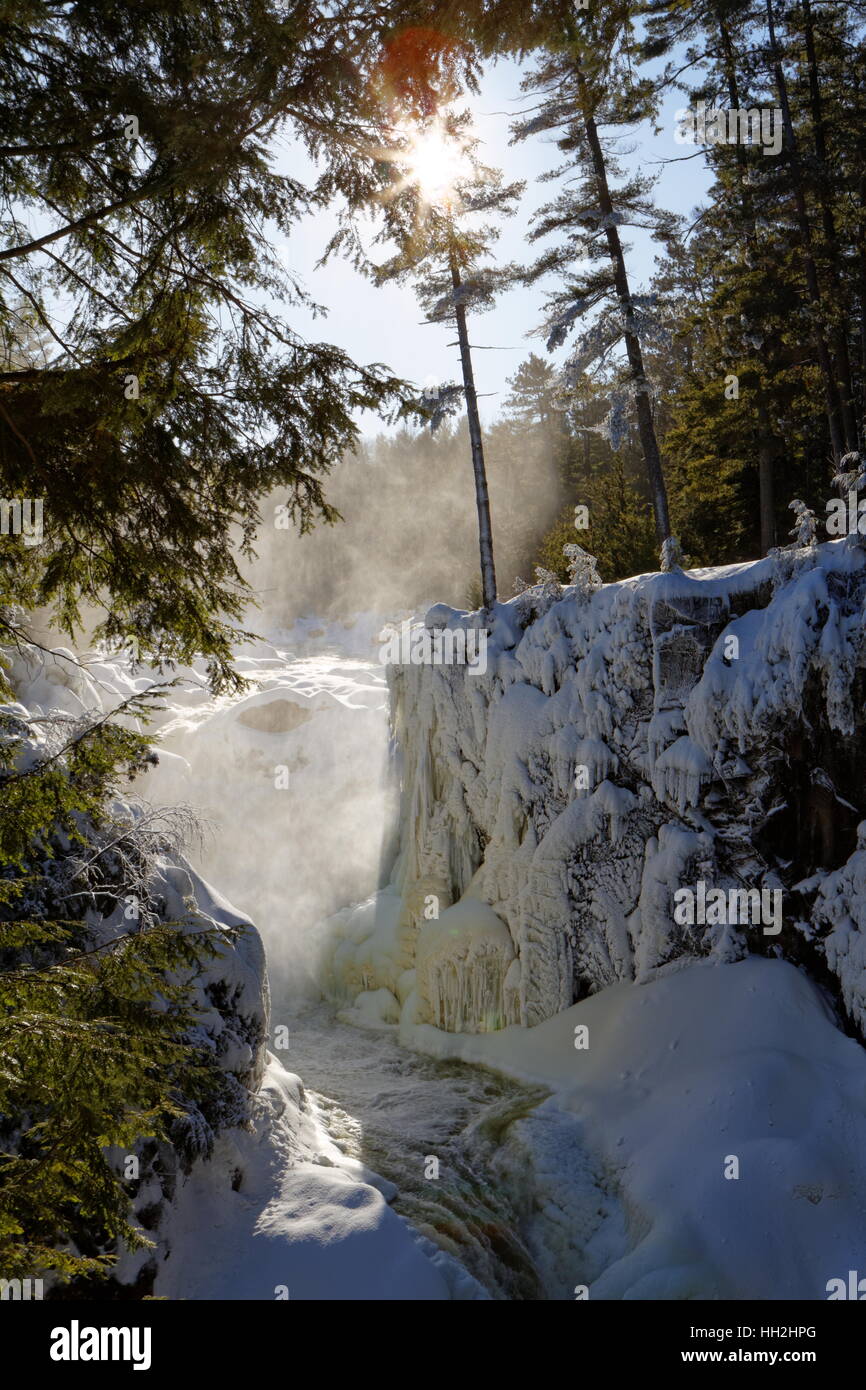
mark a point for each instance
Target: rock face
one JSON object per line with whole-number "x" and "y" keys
{"x": 661, "y": 733}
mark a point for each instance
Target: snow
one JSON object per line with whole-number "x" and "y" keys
{"x": 518, "y": 902}
{"x": 621, "y": 743}
{"x": 301, "y": 1225}
{"x": 627, "y": 1159}
{"x": 277, "y": 1209}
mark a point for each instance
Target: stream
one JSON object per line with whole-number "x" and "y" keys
{"x": 289, "y": 859}
{"x": 395, "y": 1110}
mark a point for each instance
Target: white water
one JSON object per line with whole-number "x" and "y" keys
{"x": 702, "y": 1061}
{"x": 288, "y": 857}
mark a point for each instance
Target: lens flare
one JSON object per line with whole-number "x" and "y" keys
{"x": 436, "y": 162}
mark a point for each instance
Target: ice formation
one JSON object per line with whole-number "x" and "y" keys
{"x": 622, "y": 743}
{"x": 463, "y": 972}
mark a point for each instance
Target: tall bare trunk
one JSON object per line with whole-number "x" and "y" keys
{"x": 485, "y": 531}
{"x": 831, "y": 391}
{"x": 766, "y": 491}
{"x": 646, "y": 428}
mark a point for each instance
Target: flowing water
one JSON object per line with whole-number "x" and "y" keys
{"x": 290, "y": 857}
{"x": 396, "y": 1111}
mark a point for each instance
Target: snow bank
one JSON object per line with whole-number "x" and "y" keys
{"x": 704, "y": 1140}
{"x": 280, "y": 1213}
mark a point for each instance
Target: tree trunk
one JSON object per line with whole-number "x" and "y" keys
{"x": 766, "y": 491}
{"x": 485, "y": 532}
{"x": 831, "y": 392}
{"x": 839, "y": 332}
{"x": 863, "y": 301}
{"x": 646, "y": 428}
{"x": 765, "y": 478}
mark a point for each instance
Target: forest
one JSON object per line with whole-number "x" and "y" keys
{"x": 691, "y": 397}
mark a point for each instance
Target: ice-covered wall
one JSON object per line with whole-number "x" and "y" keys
{"x": 665, "y": 731}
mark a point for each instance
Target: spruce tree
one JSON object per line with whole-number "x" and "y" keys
{"x": 582, "y": 83}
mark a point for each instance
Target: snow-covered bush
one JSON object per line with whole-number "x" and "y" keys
{"x": 582, "y": 569}
{"x": 533, "y": 600}
{"x": 671, "y": 556}
{"x": 805, "y": 528}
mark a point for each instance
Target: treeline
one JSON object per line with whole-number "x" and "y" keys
{"x": 690, "y": 412}
{"x": 753, "y": 331}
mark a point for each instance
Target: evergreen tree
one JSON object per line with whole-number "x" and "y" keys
{"x": 534, "y": 391}
{"x": 96, "y": 1013}
{"x": 772, "y": 320}
{"x": 443, "y": 250}
{"x": 620, "y": 532}
{"x": 140, "y": 207}
{"x": 583, "y": 83}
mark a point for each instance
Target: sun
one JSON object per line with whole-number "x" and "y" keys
{"x": 435, "y": 162}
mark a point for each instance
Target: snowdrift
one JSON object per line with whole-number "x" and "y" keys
{"x": 705, "y": 1143}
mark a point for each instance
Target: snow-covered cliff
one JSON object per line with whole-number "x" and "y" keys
{"x": 696, "y": 731}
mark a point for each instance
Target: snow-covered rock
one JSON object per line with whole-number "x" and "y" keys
{"x": 662, "y": 731}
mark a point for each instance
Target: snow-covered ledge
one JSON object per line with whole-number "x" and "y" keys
{"x": 594, "y": 799}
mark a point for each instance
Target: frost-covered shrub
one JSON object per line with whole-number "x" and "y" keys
{"x": 671, "y": 557}
{"x": 582, "y": 569}
{"x": 534, "y": 600}
{"x": 852, "y": 473}
{"x": 805, "y": 526}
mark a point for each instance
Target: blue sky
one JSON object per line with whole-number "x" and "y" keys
{"x": 386, "y": 324}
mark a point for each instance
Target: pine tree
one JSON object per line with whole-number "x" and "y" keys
{"x": 717, "y": 24}
{"x": 443, "y": 250}
{"x": 583, "y": 83}
{"x": 835, "y": 414}
{"x": 534, "y": 389}
{"x": 756, "y": 321}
